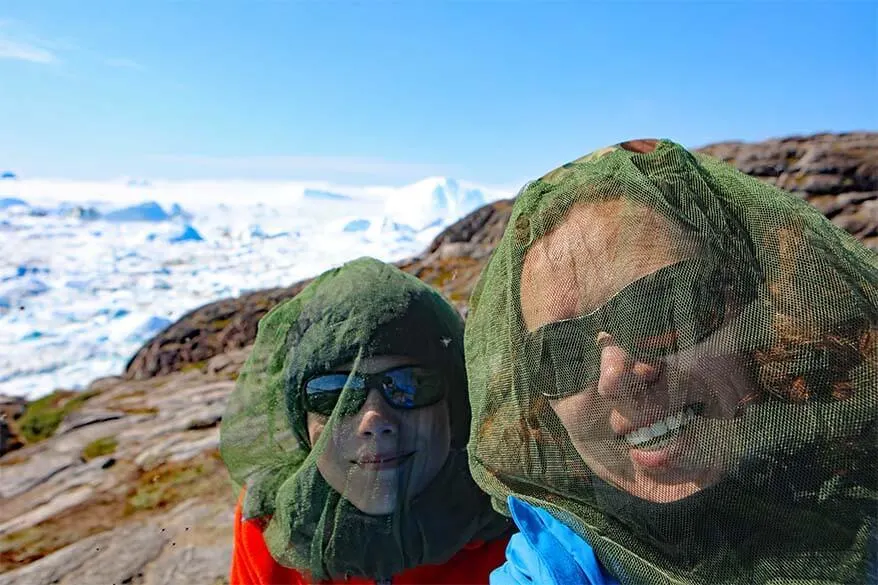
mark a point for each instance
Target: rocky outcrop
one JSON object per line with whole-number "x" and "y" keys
{"x": 11, "y": 408}
{"x": 836, "y": 173}
{"x": 129, "y": 489}
{"x": 188, "y": 544}
{"x": 208, "y": 331}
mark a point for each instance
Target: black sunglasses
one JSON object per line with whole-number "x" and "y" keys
{"x": 404, "y": 388}
{"x": 661, "y": 314}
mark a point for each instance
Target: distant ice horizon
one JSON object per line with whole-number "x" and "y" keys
{"x": 91, "y": 270}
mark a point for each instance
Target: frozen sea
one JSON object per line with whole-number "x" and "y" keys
{"x": 91, "y": 271}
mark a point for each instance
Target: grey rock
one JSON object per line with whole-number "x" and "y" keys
{"x": 200, "y": 550}
{"x": 124, "y": 556}
{"x": 82, "y": 418}
{"x": 208, "y": 417}
{"x": 101, "y": 384}
{"x": 176, "y": 448}
{"x": 109, "y": 557}
{"x": 229, "y": 361}
{"x": 17, "y": 479}
{"x": 193, "y": 564}
{"x": 30, "y": 505}
{"x": 53, "y": 507}
{"x": 455, "y": 250}
{"x": 189, "y": 449}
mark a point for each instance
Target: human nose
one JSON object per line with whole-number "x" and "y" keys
{"x": 376, "y": 418}
{"x": 622, "y": 375}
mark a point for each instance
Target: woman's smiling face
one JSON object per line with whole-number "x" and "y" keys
{"x": 637, "y": 425}
{"x": 381, "y": 453}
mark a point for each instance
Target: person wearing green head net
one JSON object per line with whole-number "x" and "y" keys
{"x": 347, "y": 432}
{"x": 673, "y": 373}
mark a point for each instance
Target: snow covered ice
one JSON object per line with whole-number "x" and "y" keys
{"x": 91, "y": 271}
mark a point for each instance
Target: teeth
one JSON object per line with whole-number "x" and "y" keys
{"x": 658, "y": 429}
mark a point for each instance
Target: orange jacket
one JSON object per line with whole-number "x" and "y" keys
{"x": 252, "y": 564}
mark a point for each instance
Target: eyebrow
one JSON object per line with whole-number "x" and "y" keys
{"x": 414, "y": 364}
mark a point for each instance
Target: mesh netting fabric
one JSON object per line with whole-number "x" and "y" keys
{"x": 680, "y": 362}
{"x": 348, "y": 479}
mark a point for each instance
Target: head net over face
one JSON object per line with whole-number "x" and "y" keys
{"x": 681, "y": 362}
{"x": 348, "y": 428}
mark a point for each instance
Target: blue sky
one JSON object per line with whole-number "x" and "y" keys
{"x": 389, "y": 92}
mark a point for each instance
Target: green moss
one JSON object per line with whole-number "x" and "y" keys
{"x": 99, "y": 447}
{"x": 42, "y": 417}
{"x": 175, "y": 482}
{"x": 25, "y": 546}
{"x": 218, "y": 324}
{"x": 129, "y": 394}
{"x": 139, "y": 410}
{"x": 162, "y": 488}
{"x": 200, "y": 365}
{"x": 21, "y": 547}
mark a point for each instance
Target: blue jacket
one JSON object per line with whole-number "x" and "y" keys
{"x": 546, "y": 551}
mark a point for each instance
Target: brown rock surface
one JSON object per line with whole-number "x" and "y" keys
{"x": 836, "y": 173}
{"x": 205, "y": 332}
{"x": 11, "y": 408}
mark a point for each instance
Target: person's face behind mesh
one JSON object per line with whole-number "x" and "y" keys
{"x": 381, "y": 451}
{"x": 633, "y": 420}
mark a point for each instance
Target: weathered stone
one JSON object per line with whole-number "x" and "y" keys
{"x": 195, "y": 564}
{"x": 19, "y": 478}
{"x": 201, "y": 550}
{"x": 201, "y": 334}
{"x": 56, "y": 505}
{"x": 12, "y": 406}
{"x": 830, "y": 205}
{"x": 9, "y": 441}
{"x": 105, "y": 383}
{"x": 207, "y": 417}
{"x": 229, "y": 361}
{"x": 82, "y": 418}
{"x": 861, "y": 221}
{"x": 115, "y": 556}
{"x": 51, "y": 569}
{"x": 455, "y": 250}
{"x": 189, "y": 449}
{"x": 75, "y": 440}
{"x": 80, "y": 474}
{"x": 152, "y": 456}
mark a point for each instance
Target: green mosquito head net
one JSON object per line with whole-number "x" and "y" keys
{"x": 348, "y": 428}
{"x": 679, "y": 361}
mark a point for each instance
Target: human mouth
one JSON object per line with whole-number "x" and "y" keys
{"x": 662, "y": 432}
{"x": 383, "y": 461}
